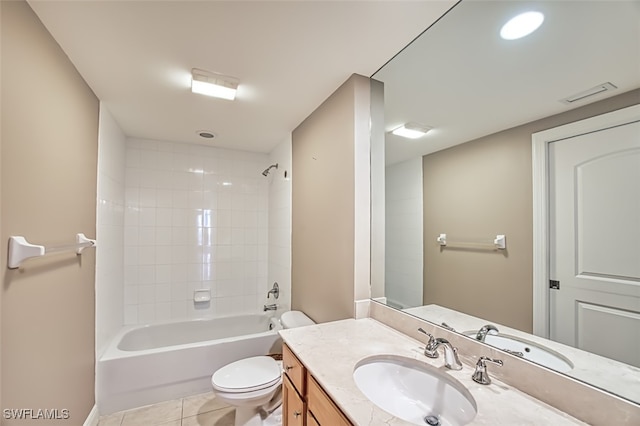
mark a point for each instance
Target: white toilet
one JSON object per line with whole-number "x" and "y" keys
{"x": 253, "y": 385}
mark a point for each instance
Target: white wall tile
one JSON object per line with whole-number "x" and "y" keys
{"x": 146, "y": 274}
{"x": 164, "y": 238}
{"x": 130, "y": 274}
{"x": 274, "y": 228}
{"x": 163, "y": 311}
{"x": 110, "y": 220}
{"x": 179, "y": 310}
{"x": 131, "y": 295}
{"x": 191, "y": 211}
{"x": 147, "y": 313}
{"x": 130, "y": 314}
{"x": 147, "y": 293}
{"x": 163, "y": 293}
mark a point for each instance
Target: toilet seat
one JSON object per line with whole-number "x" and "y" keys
{"x": 247, "y": 375}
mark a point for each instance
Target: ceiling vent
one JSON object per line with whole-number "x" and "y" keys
{"x": 597, "y": 90}
{"x": 207, "y": 134}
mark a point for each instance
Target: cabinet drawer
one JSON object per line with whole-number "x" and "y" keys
{"x": 293, "y": 407}
{"x": 320, "y": 405}
{"x": 294, "y": 369}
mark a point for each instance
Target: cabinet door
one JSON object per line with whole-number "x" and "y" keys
{"x": 294, "y": 369}
{"x": 293, "y": 407}
{"x": 320, "y": 405}
{"x": 311, "y": 421}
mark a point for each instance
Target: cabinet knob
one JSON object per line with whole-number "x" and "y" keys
{"x": 296, "y": 414}
{"x": 288, "y": 367}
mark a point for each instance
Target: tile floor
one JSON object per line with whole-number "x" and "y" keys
{"x": 198, "y": 410}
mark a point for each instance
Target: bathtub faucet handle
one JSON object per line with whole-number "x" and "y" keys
{"x": 275, "y": 290}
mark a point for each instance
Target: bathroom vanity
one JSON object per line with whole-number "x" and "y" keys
{"x": 319, "y": 385}
{"x": 304, "y": 399}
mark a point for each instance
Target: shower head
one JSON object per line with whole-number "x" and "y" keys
{"x": 266, "y": 171}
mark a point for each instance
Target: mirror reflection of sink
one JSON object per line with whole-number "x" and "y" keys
{"x": 414, "y": 391}
{"x": 527, "y": 350}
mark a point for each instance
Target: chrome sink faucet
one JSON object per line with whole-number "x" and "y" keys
{"x": 486, "y": 329}
{"x": 451, "y": 360}
{"x": 480, "y": 375}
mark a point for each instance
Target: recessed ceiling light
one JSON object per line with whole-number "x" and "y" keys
{"x": 411, "y": 130}
{"x": 212, "y": 84}
{"x": 521, "y": 25}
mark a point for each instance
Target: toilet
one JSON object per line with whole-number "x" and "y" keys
{"x": 253, "y": 385}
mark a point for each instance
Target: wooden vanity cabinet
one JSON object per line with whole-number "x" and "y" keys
{"x": 322, "y": 407}
{"x": 294, "y": 405}
{"x": 304, "y": 401}
{"x": 311, "y": 421}
{"x": 294, "y": 409}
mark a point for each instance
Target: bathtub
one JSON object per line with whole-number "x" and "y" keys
{"x": 153, "y": 363}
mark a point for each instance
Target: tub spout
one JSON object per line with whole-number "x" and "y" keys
{"x": 272, "y": 307}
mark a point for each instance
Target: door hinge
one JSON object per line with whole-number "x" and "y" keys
{"x": 555, "y": 285}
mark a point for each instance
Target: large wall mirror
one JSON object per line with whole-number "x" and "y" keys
{"x": 483, "y": 98}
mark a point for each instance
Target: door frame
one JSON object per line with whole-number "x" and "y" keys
{"x": 540, "y": 172}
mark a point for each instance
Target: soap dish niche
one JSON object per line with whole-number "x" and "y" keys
{"x": 202, "y": 295}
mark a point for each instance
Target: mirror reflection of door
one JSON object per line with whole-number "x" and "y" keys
{"x": 594, "y": 239}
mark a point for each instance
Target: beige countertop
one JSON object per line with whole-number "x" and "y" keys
{"x": 613, "y": 376}
{"x": 331, "y": 350}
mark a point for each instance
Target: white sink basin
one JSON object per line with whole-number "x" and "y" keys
{"x": 412, "y": 391}
{"x": 528, "y": 350}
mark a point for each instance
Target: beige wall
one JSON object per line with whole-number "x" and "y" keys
{"x": 48, "y": 194}
{"x": 329, "y": 268}
{"x": 480, "y": 189}
{"x": 2, "y": 265}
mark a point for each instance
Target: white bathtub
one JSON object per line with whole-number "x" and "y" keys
{"x": 152, "y": 363}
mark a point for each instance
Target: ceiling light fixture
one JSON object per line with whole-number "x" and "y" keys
{"x": 521, "y": 25}
{"x": 412, "y": 130}
{"x": 212, "y": 84}
{"x": 604, "y": 87}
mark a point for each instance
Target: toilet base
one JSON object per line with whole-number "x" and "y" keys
{"x": 248, "y": 416}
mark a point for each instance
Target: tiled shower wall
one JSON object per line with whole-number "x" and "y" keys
{"x": 196, "y": 217}
{"x": 280, "y": 223}
{"x": 109, "y": 229}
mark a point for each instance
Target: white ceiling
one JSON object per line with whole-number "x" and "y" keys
{"x": 289, "y": 56}
{"x": 462, "y": 79}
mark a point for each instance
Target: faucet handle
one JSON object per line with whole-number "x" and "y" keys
{"x": 429, "y": 347}
{"x": 480, "y": 375}
{"x": 275, "y": 290}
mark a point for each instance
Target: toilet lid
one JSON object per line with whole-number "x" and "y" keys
{"x": 247, "y": 375}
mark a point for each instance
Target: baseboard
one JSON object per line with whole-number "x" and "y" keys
{"x": 93, "y": 417}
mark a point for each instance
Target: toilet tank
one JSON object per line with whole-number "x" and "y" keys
{"x": 293, "y": 319}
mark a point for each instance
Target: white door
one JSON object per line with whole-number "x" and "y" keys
{"x": 594, "y": 241}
